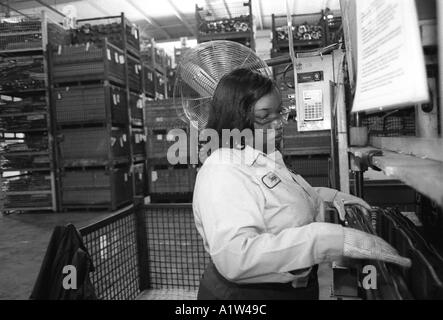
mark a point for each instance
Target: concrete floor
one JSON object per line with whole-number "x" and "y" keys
{"x": 23, "y": 242}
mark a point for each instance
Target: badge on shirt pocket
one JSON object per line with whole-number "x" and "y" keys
{"x": 271, "y": 180}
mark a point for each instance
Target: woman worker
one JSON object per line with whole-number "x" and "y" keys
{"x": 263, "y": 225}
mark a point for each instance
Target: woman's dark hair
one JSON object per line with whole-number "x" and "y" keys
{"x": 234, "y": 97}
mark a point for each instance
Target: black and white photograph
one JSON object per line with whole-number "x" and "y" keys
{"x": 213, "y": 157}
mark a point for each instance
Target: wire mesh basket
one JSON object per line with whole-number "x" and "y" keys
{"x": 26, "y": 33}
{"x": 88, "y": 62}
{"x": 114, "y": 29}
{"x": 219, "y": 18}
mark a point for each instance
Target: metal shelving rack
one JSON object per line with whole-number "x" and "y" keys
{"x": 28, "y": 174}
{"x": 121, "y": 114}
{"x": 226, "y": 20}
{"x": 411, "y": 154}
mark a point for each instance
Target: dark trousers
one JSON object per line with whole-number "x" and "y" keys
{"x": 213, "y": 286}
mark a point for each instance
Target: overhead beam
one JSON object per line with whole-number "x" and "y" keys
{"x": 210, "y": 8}
{"x": 259, "y": 13}
{"x": 50, "y": 7}
{"x": 15, "y": 10}
{"x": 178, "y": 14}
{"x": 148, "y": 19}
{"x": 227, "y": 9}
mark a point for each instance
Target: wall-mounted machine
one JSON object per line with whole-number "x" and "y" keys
{"x": 314, "y": 93}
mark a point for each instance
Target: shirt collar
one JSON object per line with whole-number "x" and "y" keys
{"x": 251, "y": 155}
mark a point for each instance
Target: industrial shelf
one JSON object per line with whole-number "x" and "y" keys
{"x": 36, "y": 49}
{"x": 20, "y": 114}
{"x": 27, "y": 124}
{"x": 19, "y": 193}
{"x": 31, "y": 208}
{"x": 424, "y": 175}
{"x": 21, "y": 93}
{"x": 43, "y": 169}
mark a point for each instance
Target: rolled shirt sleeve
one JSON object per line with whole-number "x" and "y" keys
{"x": 228, "y": 208}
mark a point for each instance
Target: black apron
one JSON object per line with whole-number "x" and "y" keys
{"x": 213, "y": 286}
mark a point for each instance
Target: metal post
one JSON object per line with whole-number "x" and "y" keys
{"x": 440, "y": 58}
{"x": 142, "y": 246}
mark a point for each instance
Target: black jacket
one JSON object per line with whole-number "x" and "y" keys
{"x": 65, "y": 248}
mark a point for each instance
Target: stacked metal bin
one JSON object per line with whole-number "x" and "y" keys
{"x": 98, "y": 106}
{"x": 155, "y": 66}
{"x": 217, "y": 22}
{"x": 26, "y": 133}
{"x": 168, "y": 181}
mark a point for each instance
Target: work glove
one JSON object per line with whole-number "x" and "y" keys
{"x": 362, "y": 245}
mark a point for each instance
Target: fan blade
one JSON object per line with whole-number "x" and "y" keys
{"x": 194, "y": 76}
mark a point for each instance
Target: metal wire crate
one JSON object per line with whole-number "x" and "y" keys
{"x": 216, "y": 22}
{"x": 93, "y": 146}
{"x": 21, "y": 33}
{"x": 116, "y": 29}
{"x": 140, "y": 178}
{"x": 159, "y": 142}
{"x": 160, "y": 84}
{"x": 27, "y": 202}
{"x": 135, "y": 74}
{"x": 171, "y": 180}
{"x": 88, "y": 63}
{"x": 309, "y": 31}
{"x": 112, "y": 244}
{"x": 136, "y": 105}
{"x": 149, "y": 80}
{"x": 152, "y": 247}
{"x": 139, "y": 142}
{"x": 111, "y": 188}
{"x": 31, "y": 33}
{"x": 177, "y": 258}
{"x": 162, "y": 114}
{"x": 91, "y": 104}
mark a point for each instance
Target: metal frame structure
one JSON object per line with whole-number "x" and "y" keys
{"x": 416, "y": 161}
{"x": 51, "y": 34}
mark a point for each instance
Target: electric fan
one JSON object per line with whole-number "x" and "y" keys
{"x": 199, "y": 72}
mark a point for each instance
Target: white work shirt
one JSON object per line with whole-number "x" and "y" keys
{"x": 259, "y": 221}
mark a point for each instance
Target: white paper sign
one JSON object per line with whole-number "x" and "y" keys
{"x": 390, "y": 62}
